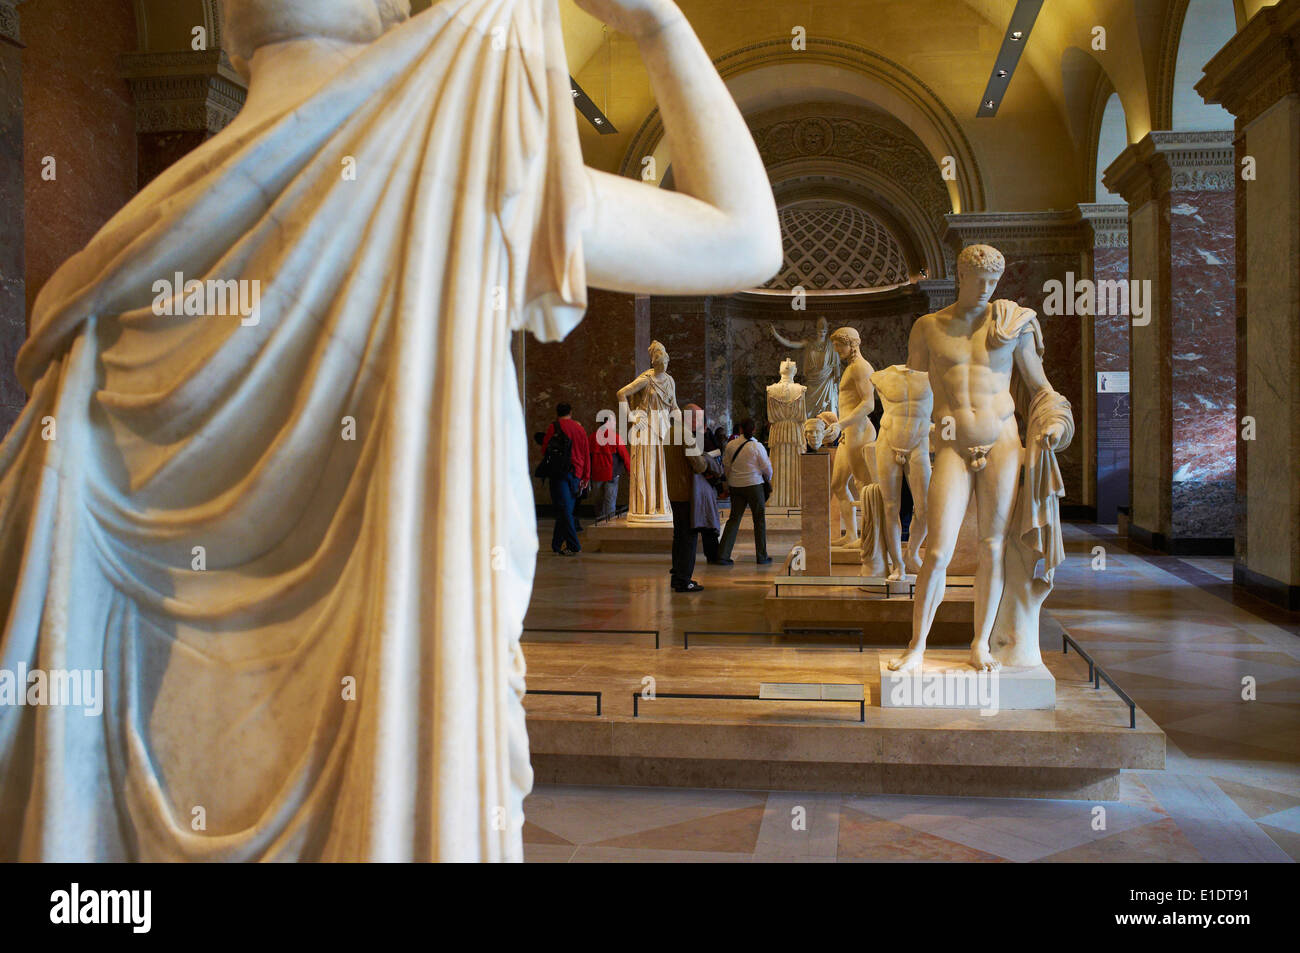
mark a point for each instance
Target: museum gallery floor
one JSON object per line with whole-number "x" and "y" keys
{"x": 1160, "y": 626}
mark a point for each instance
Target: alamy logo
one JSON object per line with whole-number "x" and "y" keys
{"x": 1088, "y": 297}
{"x": 640, "y": 428}
{"x": 947, "y": 689}
{"x": 103, "y": 907}
{"x": 57, "y": 688}
{"x": 214, "y": 298}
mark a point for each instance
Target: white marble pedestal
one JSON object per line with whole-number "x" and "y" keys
{"x": 947, "y": 681}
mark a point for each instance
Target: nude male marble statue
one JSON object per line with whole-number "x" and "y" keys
{"x": 903, "y": 449}
{"x": 857, "y": 400}
{"x": 820, "y": 365}
{"x": 303, "y": 578}
{"x": 652, "y": 400}
{"x": 971, "y": 349}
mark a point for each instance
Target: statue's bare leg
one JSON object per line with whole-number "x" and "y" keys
{"x": 841, "y": 472}
{"x": 890, "y": 475}
{"x": 995, "y": 495}
{"x": 950, "y": 489}
{"x": 918, "y": 481}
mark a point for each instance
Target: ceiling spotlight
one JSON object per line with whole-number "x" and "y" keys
{"x": 989, "y": 104}
{"x": 1003, "y": 74}
{"x": 1018, "y": 35}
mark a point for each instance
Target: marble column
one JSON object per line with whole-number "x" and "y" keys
{"x": 1106, "y": 386}
{"x": 13, "y": 294}
{"x": 1178, "y": 186}
{"x": 1256, "y": 77}
{"x": 182, "y": 99}
{"x": 1041, "y": 247}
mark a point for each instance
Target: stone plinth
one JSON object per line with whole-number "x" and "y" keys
{"x": 815, "y": 511}
{"x": 947, "y": 681}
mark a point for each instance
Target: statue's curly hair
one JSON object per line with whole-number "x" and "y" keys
{"x": 983, "y": 258}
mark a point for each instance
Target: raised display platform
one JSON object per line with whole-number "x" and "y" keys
{"x": 770, "y": 743}
{"x": 619, "y": 536}
{"x": 858, "y": 603}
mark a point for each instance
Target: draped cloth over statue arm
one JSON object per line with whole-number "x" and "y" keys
{"x": 301, "y": 573}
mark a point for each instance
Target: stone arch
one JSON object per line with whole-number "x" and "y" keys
{"x": 852, "y": 73}
{"x": 1175, "y": 75}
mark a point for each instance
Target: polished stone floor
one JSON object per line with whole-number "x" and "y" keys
{"x": 1170, "y": 630}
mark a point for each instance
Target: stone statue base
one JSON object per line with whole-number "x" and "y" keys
{"x": 947, "y": 681}
{"x": 649, "y": 519}
{"x": 815, "y": 507}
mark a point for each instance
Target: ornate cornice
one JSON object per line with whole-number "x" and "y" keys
{"x": 1108, "y": 223}
{"x": 1163, "y": 161}
{"x": 1258, "y": 66}
{"x": 1018, "y": 233}
{"x": 9, "y": 22}
{"x": 183, "y": 91}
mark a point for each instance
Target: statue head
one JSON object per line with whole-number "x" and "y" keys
{"x": 814, "y": 432}
{"x": 658, "y": 356}
{"x": 788, "y": 368}
{"x": 979, "y": 269}
{"x": 822, "y": 329}
{"x": 847, "y": 342}
{"x": 250, "y": 24}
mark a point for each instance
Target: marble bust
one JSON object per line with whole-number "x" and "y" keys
{"x": 305, "y": 591}
{"x": 820, "y": 430}
{"x": 984, "y": 357}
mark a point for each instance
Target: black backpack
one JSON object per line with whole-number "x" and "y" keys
{"x": 557, "y": 458}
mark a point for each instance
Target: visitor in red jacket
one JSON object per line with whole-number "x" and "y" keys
{"x": 568, "y": 483}
{"x": 609, "y": 461}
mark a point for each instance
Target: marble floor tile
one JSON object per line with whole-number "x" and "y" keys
{"x": 1214, "y": 824}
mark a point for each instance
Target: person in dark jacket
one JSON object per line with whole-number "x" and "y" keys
{"x": 684, "y": 464}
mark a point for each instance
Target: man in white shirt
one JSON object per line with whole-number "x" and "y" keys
{"x": 748, "y": 467}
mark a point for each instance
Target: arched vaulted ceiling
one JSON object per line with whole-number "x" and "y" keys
{"x": 948, "y": 46}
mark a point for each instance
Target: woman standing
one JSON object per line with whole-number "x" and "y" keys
{"x": 748, "y": 468}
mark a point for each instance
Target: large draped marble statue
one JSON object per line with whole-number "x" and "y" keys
{"x": 903, "y": 450}
{"x": 985, "y": 360}
{"x": 652, "y": 415}
{"x": 821, "y": 367}
{"x": 270, "y": 527}
{"x": 853, "y": 458}
{"x": 786, "y": 415}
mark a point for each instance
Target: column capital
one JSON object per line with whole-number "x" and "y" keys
{"x": 1258, "y": 66}
{"x": 183, "y": 91}
{"x": 1164, "y": 160}
{"x": 1017, "y": 233}
{"x": 1107, "y": 222}
{"x": 9, "y": 21}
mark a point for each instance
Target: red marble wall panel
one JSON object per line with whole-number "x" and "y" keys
{"x": 584, "y": 370}
{"x": 1204, "y": 364}
{"x": 80, "y": 112}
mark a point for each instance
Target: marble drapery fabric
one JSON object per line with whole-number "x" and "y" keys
{"x": 651, "y": 416}
{"x": 786, "y": 417}
{"x": 301, "y": 574}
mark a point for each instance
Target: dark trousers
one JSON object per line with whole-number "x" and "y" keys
{"x": 564, "y": 494}
{"x": 740, "y": 497}
{"x": 684, "y": 545}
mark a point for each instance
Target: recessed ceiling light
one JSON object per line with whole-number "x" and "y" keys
{"x": 989, "y": 104}
{"x": 1018, "y": 35}
{"x": 1002, "y": 74}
